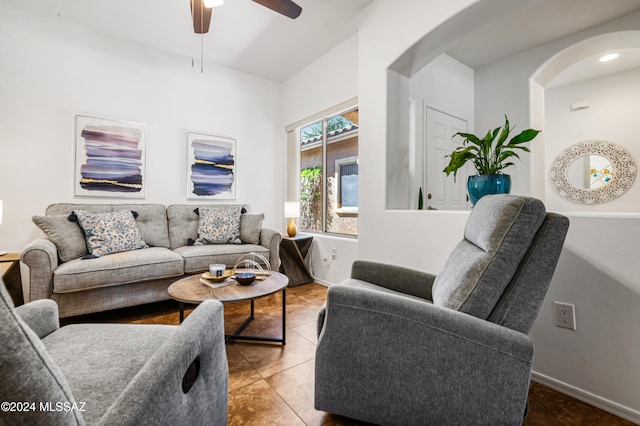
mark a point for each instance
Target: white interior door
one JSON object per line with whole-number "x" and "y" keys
{"x": 443, "y": 193}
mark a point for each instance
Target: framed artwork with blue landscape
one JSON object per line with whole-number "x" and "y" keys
{"x": 211, "y": 164}
{"x": 110, "y": 158}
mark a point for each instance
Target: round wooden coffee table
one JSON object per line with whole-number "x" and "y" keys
{"x": 191, "y": 290}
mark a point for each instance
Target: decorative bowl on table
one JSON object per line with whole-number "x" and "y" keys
{"x": 208, "y": 276}
{"x": 245, "y": 278}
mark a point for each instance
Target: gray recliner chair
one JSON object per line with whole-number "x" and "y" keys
{"x": 111, "y": 374}
{"x": 399, "y": 346}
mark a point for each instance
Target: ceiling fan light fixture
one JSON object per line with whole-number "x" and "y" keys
{"x": 213, "y": 3}
{"x": 609, "y": 57}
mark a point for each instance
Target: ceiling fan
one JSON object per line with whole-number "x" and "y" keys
{"x": 201, "y": 11}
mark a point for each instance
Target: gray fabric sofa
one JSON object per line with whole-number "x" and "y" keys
{"x": 111, "y": 374}
{"x": 80, "y": 286}
{"x": 406, "y": 347}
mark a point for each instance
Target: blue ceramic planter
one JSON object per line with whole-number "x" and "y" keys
{"x": 480, "y": 185}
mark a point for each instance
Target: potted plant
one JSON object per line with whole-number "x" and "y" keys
{"x": 490, "y": 155}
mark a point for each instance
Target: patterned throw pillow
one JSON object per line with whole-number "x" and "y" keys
{"x": 219, "y": 225}
{"x": 112, "y": 232}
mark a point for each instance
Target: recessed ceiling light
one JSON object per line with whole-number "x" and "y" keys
{"x": 213, "y": 3}
{"x": 609, "y": 57}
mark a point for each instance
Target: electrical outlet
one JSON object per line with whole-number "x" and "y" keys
{"x": 334, "y": 253}
{"x": 564, "y": 315}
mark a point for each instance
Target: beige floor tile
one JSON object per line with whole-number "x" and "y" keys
{"x": 309, "y": 331}
{"x": 241, "y": 373}
{"x": 295, "y": 386}
{"x": 258, "y": 404}
{"x": 270, "y": 359}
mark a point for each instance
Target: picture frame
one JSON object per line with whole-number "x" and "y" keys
{"x": 211, "y": 167}
{"x": 109, "y": 158}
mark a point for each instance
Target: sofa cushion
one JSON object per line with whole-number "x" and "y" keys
{"x": 118, "y": 268}
{"x": 151, "y": 220}
{"x": 496, "y": 237}
{"x": 250, "y": 227}
{"x": 183, "y": 223}
{"x": 219, "y": 225}
{"x": 198, "y": 258}
{"x": 65, "y": 234}
{"x": 112, "y": 232}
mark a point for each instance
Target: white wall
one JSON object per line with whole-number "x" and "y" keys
{"x": 446, "y": 85}
{"x": 606, "y": 344}
{"x": 400, "y": 117}
{"x": 329, "y": 81}
{"x": 52, "y": 70}
{"x": 613, "y": 108}
{"x": 506, "y": 83}
{"x": 419, "y": 239}
{"x": 598, "y": 273}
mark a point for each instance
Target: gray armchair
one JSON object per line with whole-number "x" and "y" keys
{"x": 111, "y": 374}
{"x": 398, "y": 346}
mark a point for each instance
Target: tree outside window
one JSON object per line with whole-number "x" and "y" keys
{"x": 329, "y": 175}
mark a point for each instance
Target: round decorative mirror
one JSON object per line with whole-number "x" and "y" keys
{"x": 590, "y": 172}
{"x": 593, "y": 172}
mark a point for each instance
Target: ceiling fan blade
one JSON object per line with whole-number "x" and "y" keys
{"x": 201, "y": 16}
{"x": 284, "y": 7}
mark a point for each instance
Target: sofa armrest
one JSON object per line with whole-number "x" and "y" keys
{"x": 382, "y": 357}
{"x": 41, "y": 259}
{"x": 270, "y": 238}
{"x": 157, "y": 394}
{"x": 41, "y": 316}
{"x": 398, "y": 278}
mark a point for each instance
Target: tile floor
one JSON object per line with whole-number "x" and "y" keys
{"x": 270, "y": 384}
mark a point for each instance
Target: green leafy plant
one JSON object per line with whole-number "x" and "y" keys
{"x": 311, "y": 199}
{"x": 492, "y": 153}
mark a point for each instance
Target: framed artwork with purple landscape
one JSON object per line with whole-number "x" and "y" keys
{"x": 110, "y": 158}
{"x": 211, "y": 164}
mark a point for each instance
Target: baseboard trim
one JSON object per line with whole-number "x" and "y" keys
{"x": 323, "y": 282}
{"x": 588, "y": 397}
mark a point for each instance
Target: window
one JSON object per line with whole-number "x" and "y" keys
{"x": 329, "y": 174}
{"x": 347, "y": 181}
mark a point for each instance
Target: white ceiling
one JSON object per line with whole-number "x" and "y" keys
{"x": 243, "y": 35}
{"x": 249, "y": 37}
{"x": 540, "y": 23}
{"x": 591, "y": 67}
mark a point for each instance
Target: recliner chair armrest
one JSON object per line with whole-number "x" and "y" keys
{"x": 393, "y": 277}
{"x": 41, "y": 257}
{"x": 156, "y": 394}
{"x": 270, "y": 238}
{"x": 380, "y": 356}
{"x": 41, "y": 316}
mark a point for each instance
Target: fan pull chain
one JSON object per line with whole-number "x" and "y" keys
{"x": 202, "y": 37}
{"x": 193, "y": 61}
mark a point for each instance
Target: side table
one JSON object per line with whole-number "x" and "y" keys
{"x": 293, "y": 252}
{"x": 11, "y": 277}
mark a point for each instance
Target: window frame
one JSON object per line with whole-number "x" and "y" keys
{"x": 349, "y": 210}
{"x": 324, "y": 117}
